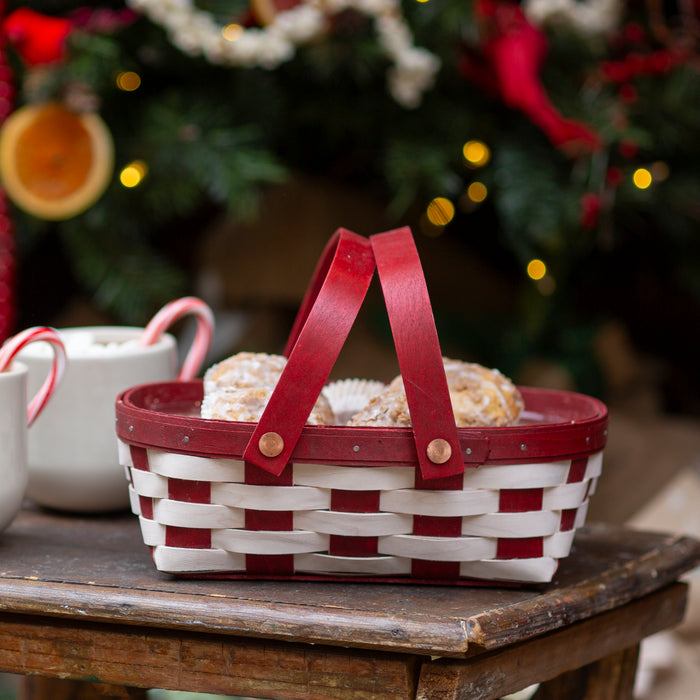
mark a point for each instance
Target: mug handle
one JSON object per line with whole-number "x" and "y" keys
{"x": 58, "y": 366}
{"x": 172, "y": 312}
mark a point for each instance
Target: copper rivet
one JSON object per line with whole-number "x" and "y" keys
{"x": 439, "y": 451}
{"x": 271, "y": 444}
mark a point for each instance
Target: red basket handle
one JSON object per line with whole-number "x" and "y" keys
{"x": 327, "y": 312}
{"x": 418, "y": 352}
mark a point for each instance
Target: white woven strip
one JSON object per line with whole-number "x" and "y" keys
{"x": 134, "y": 501}
{"x": 594, "y": 467}
{"x": 580, "y": 519}
{"x": 440, "y": 503}
{"x": 594, "y": 485}
{"x": 200, "y": 515}
{"x": 177, "y": 466}
{"x": 564, "y": 496}
{"x": 517, "y": 476}
{"x": 124, "y": 453}
{"x": 354, "y": 478}
{"x": 353, "y": 524}
{"x": 269, "y": 541}
{"x": 183, "y": 560}
{"x": 539, "y": 570}
{"x": 149, "y": 484}
{"x": 437, "y": 548}
{"x": 558, "y": 545}
{"x": 153, "y": 532}
{"x": 529, "y": 524}
{"x": 370, "y": 566}
{"x": 270, "y": 497}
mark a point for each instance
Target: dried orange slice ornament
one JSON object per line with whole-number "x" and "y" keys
{"x": 54, "y": 162}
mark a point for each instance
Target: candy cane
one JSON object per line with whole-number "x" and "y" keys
{"x": 58, "y": 366}
{"x": 205, "y": 331}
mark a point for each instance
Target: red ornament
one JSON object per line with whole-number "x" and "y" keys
{"x": 511, "y": 56}
{"x": 7, "y": 239}
{"x": 38, "y": 39}
{"x": 591, "y": 204}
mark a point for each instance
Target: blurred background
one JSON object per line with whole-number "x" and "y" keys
{"x": 544, "y": 153}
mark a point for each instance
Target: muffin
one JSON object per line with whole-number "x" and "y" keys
{"x": 239, "y": 389}
{"x": 480, "y": 397}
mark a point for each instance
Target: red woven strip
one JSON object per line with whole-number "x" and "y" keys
{"x": 519, "y": 500}
{"x": 519, "y": 548}
{"x": 351, "y": 546}
{"x": 189, "y": 491}
{"x": 438, "y": 570}
{"x": 568, "y": 518}
{"x": 577, "y": 470}
{"x": 189, "y": 537}
{"x": 353, "y": 502}
{"x": 436, "y": 526}
{"x": 268, "y": 564}
{"x": 139, "y": 458}
{"x": 146, "y": 507}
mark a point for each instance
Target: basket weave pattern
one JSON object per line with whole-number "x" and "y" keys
{"x": 498, "y": 522}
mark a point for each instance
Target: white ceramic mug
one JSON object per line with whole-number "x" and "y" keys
{"x": 16, "y": 416}
{"x": 72, "y": 451}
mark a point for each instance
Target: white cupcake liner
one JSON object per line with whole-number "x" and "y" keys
{"x": 348, "y": 396}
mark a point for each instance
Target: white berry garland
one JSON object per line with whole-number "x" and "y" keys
{"x": 195, "y": 32}
{"x": 588, "y": 17}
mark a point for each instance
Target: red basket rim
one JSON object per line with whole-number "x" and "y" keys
{"x": 561, "y": 425}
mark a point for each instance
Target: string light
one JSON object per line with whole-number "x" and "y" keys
{"x": 440, "y": 211}
{"x": 477, "y": 192}
{"x": 133, "y": 174}
{"x": 128, "y": 81}
{"x": 642, "y": 178}
{"x": 536, "y": 269}
{"x": 659, "y": 171}
{"x": 476, "y": 154}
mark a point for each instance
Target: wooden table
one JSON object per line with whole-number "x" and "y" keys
{"x": 81, "y": 600}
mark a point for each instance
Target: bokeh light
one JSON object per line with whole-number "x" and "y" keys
{"x": 477, "y": 192}
{"x": 476, "y": 153}
{"x": 128, "y": 81}
{"x": 232, "y": 32}
{"x": 440, "y": 211}
{"x": 642, "y": 178}
{"x": 536, "y": 269}
{"x": 133, "y": 174}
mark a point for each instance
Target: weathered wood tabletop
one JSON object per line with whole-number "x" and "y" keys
{"x": 80, "y": 598}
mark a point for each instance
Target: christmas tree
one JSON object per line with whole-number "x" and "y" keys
{"x": 557, "y": 140}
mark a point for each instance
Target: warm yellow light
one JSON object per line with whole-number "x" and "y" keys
{"x": 477, "y": 192}
{"x": 128, "y": 80}
{"x": 440, "y": 211}
{"x": 476, "y": 153}
{"x": 536, "y": 269}
{"x": 133, "y": 174}
{"x": 642, "y": 178}
{"x": 232, "y": 32}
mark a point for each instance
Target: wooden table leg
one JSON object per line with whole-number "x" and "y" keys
{"x": 610, "y": 678}
{"x": 39, "y": 688}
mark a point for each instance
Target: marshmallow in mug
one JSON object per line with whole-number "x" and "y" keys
{"x": 83, "y": 343}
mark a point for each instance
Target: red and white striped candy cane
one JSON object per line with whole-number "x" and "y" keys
{"x": 58, "y": 366}
{"x": 205, "y": 331}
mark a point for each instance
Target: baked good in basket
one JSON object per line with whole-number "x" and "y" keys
{"x": 239, "y": 388}
{"x": 480, "y": 397}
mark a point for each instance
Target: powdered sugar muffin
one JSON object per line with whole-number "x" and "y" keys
{"x": 480, "y": 397}
{"x": 239, "y": 388}
{"x": 248, "y": 404}
{"x": 245, "y": 369}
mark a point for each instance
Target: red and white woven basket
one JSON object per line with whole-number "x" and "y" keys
{"x": 432, "y": 503}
